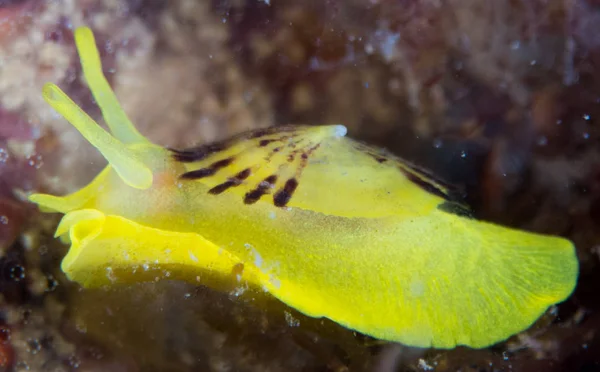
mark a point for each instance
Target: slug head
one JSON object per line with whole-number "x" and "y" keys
{"x": 130, "y": 155}
{"x": 104, "y": 244}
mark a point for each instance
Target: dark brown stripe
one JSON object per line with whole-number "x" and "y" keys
{"x": 208, "y": 171}
{"x": 198, "y": 173}
{"x": 198, "y": 153}
{"x": 221, "y": 163}
{"x": 201, "y": 152}
{"x": 222, "y": 187}
{"x": 271, "y": 180}
{"x": 259, "y": 133}
{"x": 243, "y": 174}
{"x": 423, "y": 184}
{"x": 378, "y": 158}
{"x": 307, "y": 154}
{"x": 428, "y": 174}
{"x": 263, "y": 188}
{"x": 234, "y": 181}
{"x": 283, "y": 196}
{"x": 265, "y": 142}
{"x": 456, "y": 209}
{"x": 253, "y": 196}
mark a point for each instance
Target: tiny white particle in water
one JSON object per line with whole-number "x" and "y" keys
{"x": 463, "y": 154}
{"x": 542, "y": 141}
{"x": 437, "y": 143}
{"x": 3, "y": 155}
{"x": 238, "y": 291}
{"x": 35, "y": 161}
{"x": 146, "y": 267}
{"x": 586, "y": 117}
{"x": 291, "y": 321}
{"x": 4, "y": 220}
{"x": 74, "y": 361}
{"x": 424, "y": 366}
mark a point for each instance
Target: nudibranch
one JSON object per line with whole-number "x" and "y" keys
{"x": 325, "y": 224}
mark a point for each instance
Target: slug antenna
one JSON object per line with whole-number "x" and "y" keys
{"x": 124, "y": 161}
{"x": 113, "y": 114}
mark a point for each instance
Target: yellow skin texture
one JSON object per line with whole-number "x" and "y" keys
{"x": 359, "y": 242}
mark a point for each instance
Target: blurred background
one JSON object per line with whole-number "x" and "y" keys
{"x": 501, "y": 98}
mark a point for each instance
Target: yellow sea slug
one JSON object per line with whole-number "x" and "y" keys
{"x": 329, "y": 226}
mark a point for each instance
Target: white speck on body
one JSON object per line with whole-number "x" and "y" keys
{"x": 276, "y": 283}
{"x": 192, "y": 257}
{"x": 340, "y": 130}
{"x": 110, "y": 274}
{"x": 417, "y": 288}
